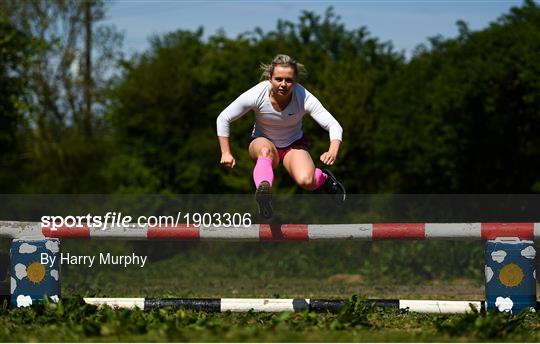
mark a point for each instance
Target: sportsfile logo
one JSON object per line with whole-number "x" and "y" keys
{"x": 79, "y": 221}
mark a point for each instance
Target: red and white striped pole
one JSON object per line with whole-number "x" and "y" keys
{"x": 283, "y": 232}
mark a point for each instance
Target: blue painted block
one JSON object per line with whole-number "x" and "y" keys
{"x": 510, "y": 275}
{"x": 35, "y": 271}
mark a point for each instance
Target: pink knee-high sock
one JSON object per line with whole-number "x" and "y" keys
{"x": 320, "y": 178}
{"x": 263, "y": 171}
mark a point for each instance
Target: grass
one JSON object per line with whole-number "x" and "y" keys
{"x": 72, "y": 320}
{"x": 317, "y": 270}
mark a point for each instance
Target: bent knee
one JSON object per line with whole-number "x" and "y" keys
{"x": 266, "y": 152}
{"x": 306, "y": 181}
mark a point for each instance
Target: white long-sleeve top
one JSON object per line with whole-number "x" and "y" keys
{"x": 282, "y": 128}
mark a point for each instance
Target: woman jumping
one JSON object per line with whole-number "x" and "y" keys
{"x": 279, "y": 104}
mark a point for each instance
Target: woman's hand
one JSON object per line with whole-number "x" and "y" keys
{"x": 227, "y": 160}
{"x": 329, "y": 158}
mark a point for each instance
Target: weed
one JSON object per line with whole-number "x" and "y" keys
{"x": 482, "y": 325}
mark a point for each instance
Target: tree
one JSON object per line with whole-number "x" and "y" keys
{"x": 65, "y": 78}
{"x": 15, "y": 50}
{"x": 464, "y": 115}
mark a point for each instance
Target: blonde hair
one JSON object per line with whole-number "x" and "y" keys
{"x": 284, "y": 61}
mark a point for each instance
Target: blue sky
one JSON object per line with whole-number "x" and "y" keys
{"x": 405, "y": 23}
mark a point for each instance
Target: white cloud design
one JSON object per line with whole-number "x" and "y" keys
{"x": 52, "y": 246}
{"x": 504, "y": 304}
{"x": 529, "y": 252}
{"x": 20, "y": 271}
{"x": 13, "y": 284}
{"x": 24, "y": 301}
{"x": 498, "y": 256}
{"x": 489, "y": 273}
{"x": 27, "y": 248}
{"x": 55, "y": 298}
{"x": 54, "y": 274}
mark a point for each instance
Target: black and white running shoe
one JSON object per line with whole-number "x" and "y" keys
{"x": 334, "y": 187}
{"x": 263, "y": 196}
